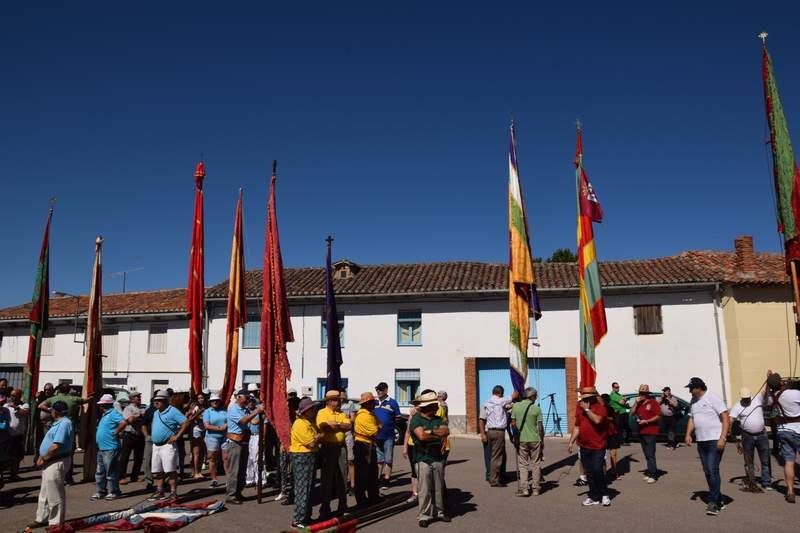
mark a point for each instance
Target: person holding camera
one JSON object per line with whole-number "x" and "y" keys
{"x": 787, "y": 403}
{"x": 670, "y": 411}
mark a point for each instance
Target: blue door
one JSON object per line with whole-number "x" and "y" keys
{"x": 546, "y": 374}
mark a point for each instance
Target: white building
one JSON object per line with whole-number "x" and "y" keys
{"x": 436, "y": 325}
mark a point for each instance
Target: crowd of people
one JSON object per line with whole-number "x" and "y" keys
{"x": 346, "y": 447}
{"x": 605, "y": 422}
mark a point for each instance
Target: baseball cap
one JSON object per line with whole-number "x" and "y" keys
{"x": 160, "y": 395}
{"x": 242, "y": 392}
{"x": 305, "y": 405}
{"x": 744, "y": 392}
{"x": 696, "y": 383}
{"x": 214, "y": 397}
{"x": 382, "y": 386}
{"x": 60, "y": 407}
{"x": 252, "y": 387}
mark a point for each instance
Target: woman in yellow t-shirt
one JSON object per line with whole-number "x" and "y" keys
{"x": 305, "y": 443}
{"x": 366, "y": 429}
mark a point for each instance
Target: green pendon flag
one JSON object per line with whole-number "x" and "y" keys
{"x": 38, "y": 316}
{"x": 784, "y": 165}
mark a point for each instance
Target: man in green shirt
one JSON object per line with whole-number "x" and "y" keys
{"x": 620, "y": 407}
{"x": 73, "y": 405}
{"x": 526, "y": 418}
{"x": 429, "y": 433}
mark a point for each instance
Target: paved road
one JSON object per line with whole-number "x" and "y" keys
{"x": 674, "y": 503}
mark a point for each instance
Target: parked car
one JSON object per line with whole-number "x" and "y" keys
{"x": 680, "y": 425}
{"x": 400, "y": 425}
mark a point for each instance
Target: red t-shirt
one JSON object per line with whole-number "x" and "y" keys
{"x": 645, "y": 411}
{"x": 590, "y": 435}
{"x": 610, "y": 420}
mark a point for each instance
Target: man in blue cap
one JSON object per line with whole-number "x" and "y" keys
{"x": 55, "y": 457}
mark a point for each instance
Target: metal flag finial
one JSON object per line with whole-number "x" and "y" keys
{"x": 763, "y": 37}
{"x": 578, "y": 123}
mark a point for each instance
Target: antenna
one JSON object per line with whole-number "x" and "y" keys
{"x": 124, "y": 274}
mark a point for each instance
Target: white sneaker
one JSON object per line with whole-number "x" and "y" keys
{"x": 589, "y": 502}
{"x": 280, "y": 497}
{"x": 606, "y": 501}
{"x": 651, "y": 480}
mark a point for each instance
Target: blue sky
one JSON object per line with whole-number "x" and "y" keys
{"x": 389, "y": 123}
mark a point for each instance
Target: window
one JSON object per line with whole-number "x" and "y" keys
{"x": 252, "y": 332}
{"x": 324, "y": 334}
{"x": 250, "y": 376}
{"x": 110, "y": 342}
{"x": 115, "y": 382}
{"x": 157, "y": 339}
{"x": 321, "y": 387}
{"x": 158, "y": 384}
{"x": 409, "y": 328}
{"x": 647, "y": 319}
{"x": 49, "y": 342}
{"x": 406, "y": 385}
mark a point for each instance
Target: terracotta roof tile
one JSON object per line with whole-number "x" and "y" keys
{"x": 446, "y": 277}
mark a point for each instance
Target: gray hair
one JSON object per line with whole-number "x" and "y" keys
{"x": 530, "y": 392}
{"x": 443, "y": 394}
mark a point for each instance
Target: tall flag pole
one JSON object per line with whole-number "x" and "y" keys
{"x": 93, "y": 371}
{"x": 276, "y": 331}
{"x": 38, "y": 316}
{"x": 237, "y": 306}
{"x": 334, "y": 376}
{"x": 593, "y": 325}
{"x": 785, "y": 172}
{"x": 195, "y": 305}
{"x": 523, "y": 300}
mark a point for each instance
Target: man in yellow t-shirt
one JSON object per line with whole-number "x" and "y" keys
{"x": 333, "y": 424}
{"x": 366, "y": 459}
{"x": 303, "y": 451}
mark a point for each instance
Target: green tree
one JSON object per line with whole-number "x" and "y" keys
{"x": 563, "y": 255}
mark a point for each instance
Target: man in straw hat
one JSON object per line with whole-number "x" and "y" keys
{"x": 526, "y": 418}
{"x": 590, "y": 431}
{"x": 366, "y": 428}
{"x": 429, "y": 433}
{"x": 55, "y": 454}
{"x": 333, "y": 424}
{"x": 749, "y": 413}
{"x": 303, "y": 451}
{"x": 647, "y": 413}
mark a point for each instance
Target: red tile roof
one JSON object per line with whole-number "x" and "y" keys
{"x": 448, "y": 277}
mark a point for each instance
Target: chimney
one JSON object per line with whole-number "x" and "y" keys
{"x": 744, "y": 257}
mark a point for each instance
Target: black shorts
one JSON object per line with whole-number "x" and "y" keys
{"x": 614, "y": 442}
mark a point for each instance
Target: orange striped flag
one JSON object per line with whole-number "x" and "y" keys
{"x": 237, "y": 307}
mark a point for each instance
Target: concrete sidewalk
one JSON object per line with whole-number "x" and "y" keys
{"x": 673, "y": 504}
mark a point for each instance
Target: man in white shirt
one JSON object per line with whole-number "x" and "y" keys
{"x": 787, "y": 403}
{"x": 496, "y": 423}
{"x": 710, "y": 421}
{"x": 749, "y": 413}
{"x": 18, "y": 413}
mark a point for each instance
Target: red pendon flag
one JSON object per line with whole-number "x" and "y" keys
{"x": 38, "y": 317}
{"x": 276, "y": 328}
{"x": 93, "y": 370}
{"x": 237, "y": 307}
{"x": 195, "y": 304}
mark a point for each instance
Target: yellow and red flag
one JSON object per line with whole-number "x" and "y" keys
{"x": 523, "y": 301}
{"x": 237, "y": 307}
{"x": 592, "y": 310}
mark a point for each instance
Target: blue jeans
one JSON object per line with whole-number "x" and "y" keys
{"x": 107, "y": 471}
{"x": 648, "y": 443}
{"x": 790, "y": 444}
{"x": 710, "y": 457}
{"x": 749, "y": 444}
{"x": 592, "y": 461}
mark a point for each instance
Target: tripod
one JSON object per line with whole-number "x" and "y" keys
{"x": 552, "y": 409}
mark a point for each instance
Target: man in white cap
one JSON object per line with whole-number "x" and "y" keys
{"x": 167, "y": 427}
{"x": 748, "y": 412}
{"x": 429, "y": 433}
{"x": 109, "y": 446}
{"x": 55, "y": 456}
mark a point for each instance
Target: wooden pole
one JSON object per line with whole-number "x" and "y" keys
{"x": 261, "y": 436}
{"x": 796, "y": 290}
